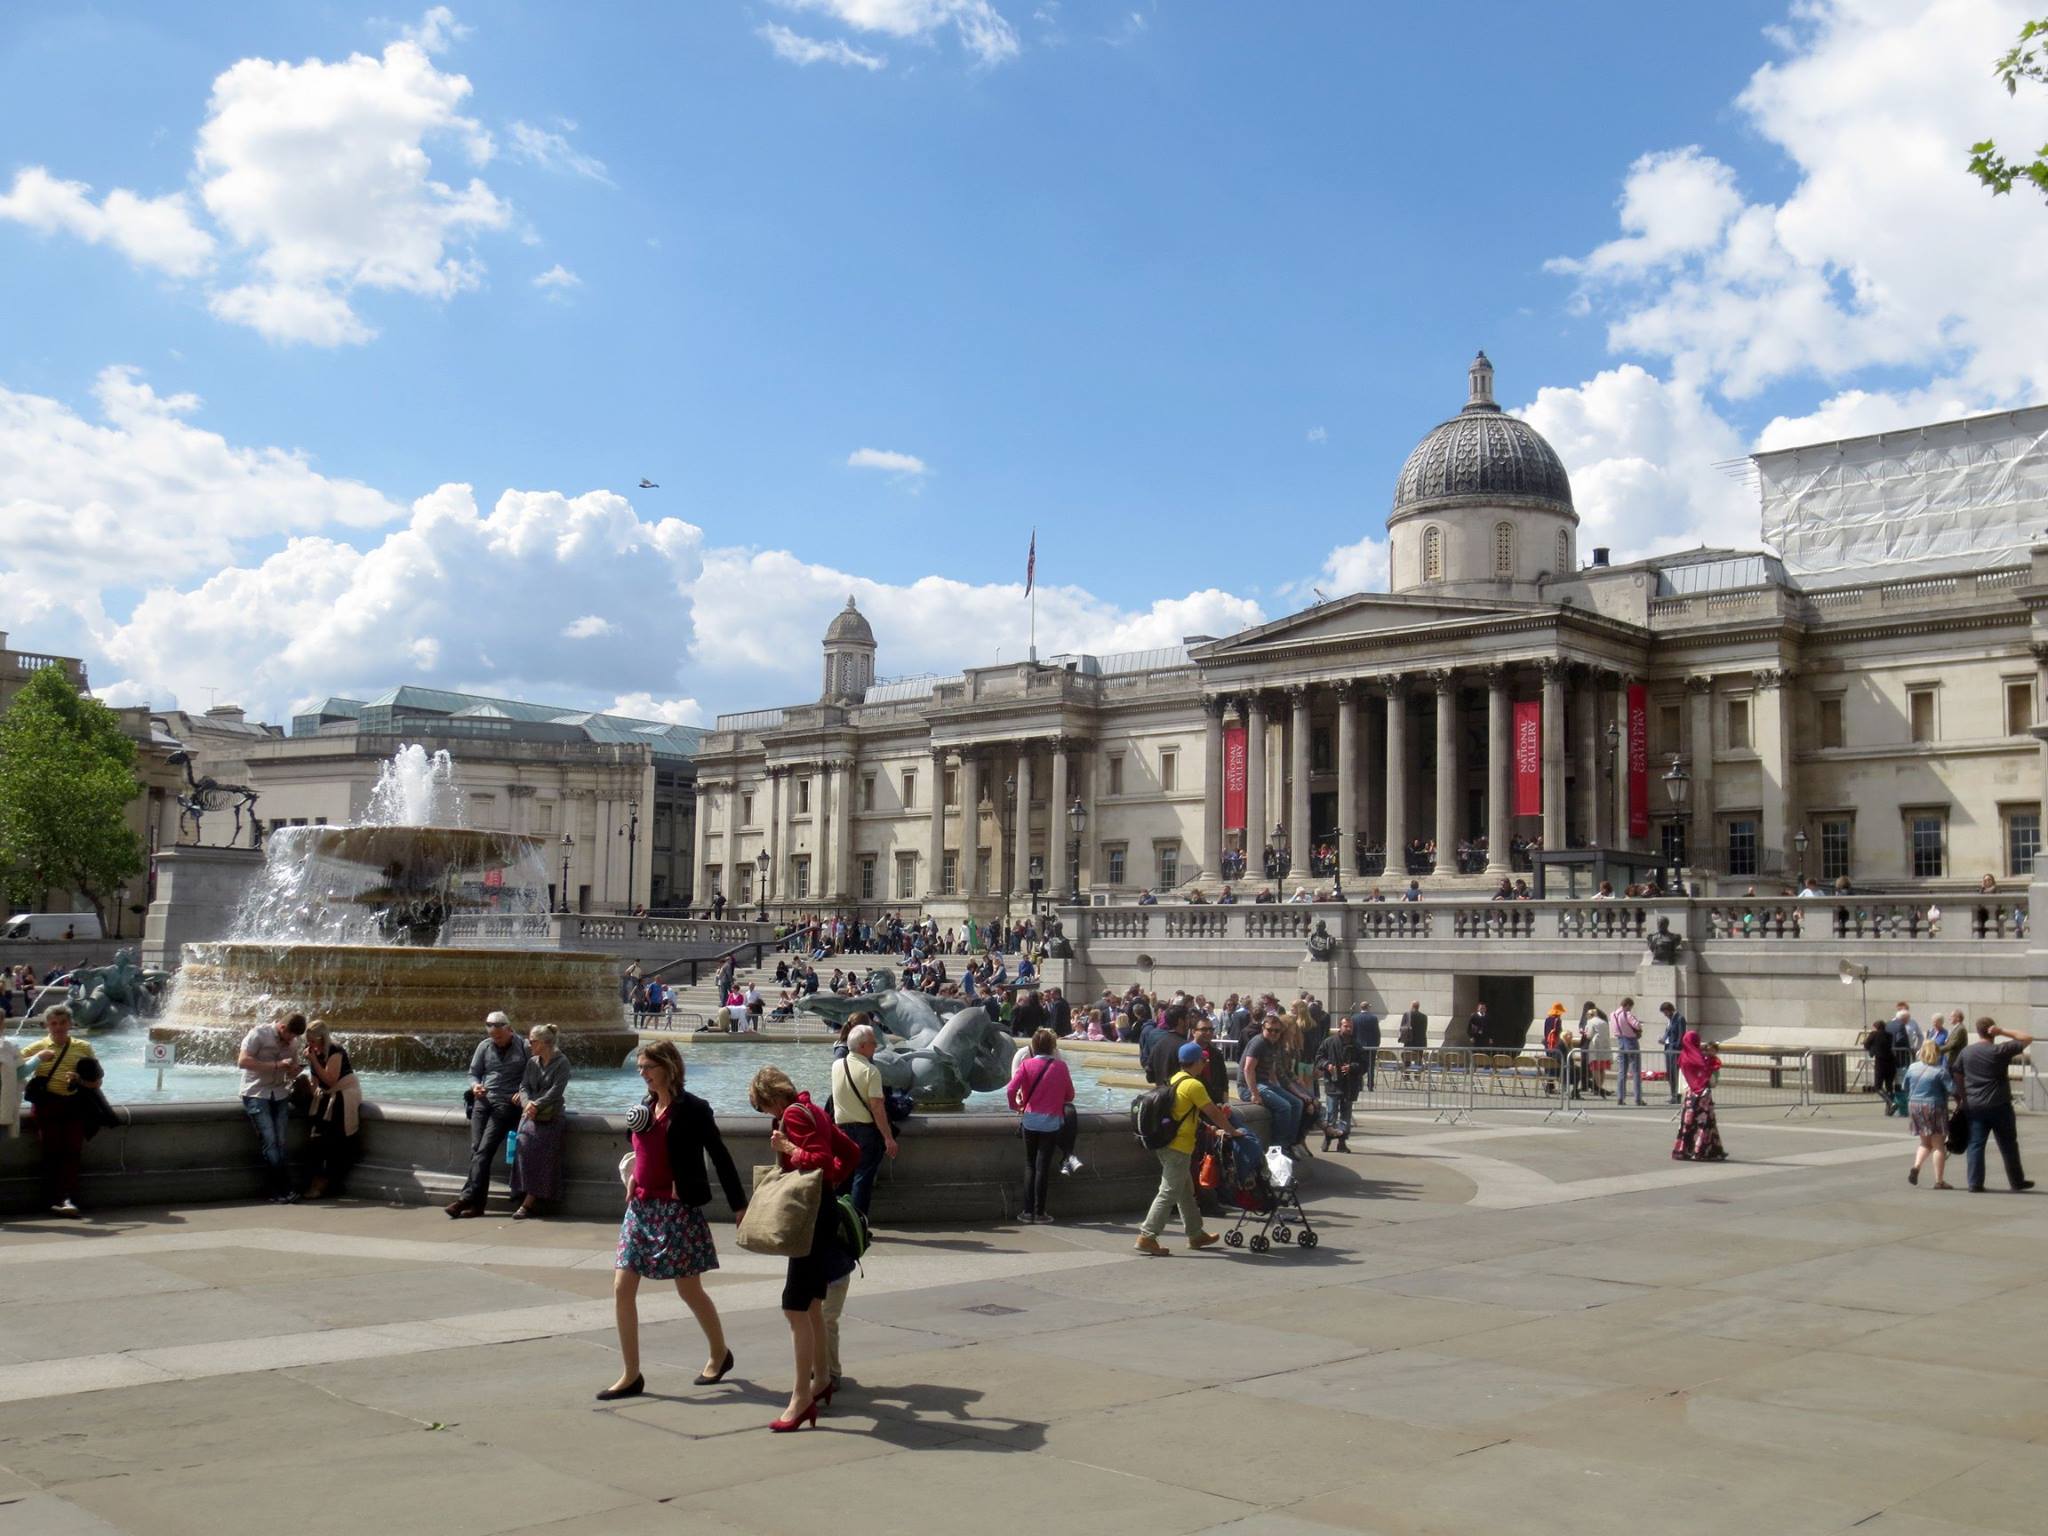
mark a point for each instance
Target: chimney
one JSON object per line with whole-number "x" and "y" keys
{"x": 225, "y": 712}
{"x": 1599, "y": 556}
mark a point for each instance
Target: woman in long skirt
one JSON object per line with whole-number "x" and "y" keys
{"x": 537, "y": 1164}
{"x": 1699, "y": 1135}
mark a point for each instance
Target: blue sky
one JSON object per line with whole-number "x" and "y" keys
{"x": 1178, "y": 285}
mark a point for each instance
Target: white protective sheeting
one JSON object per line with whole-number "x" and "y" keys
{"x": 1952, "y": 496}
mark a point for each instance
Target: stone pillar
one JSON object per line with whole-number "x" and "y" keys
{"x": 1372, "y": 800}
{"x": 1771, "y": 734}
{"x": 784, "y": 795}
{"x": 1020, "y": 877}
{"x": 1446, "y": 684}
{"x": 1348, "y": 827}
{"x": 935, "y": 836}
{"x": 1617, "y": 809}
{"x": 700, "y": 813}
{"x": 1699, "y": 832}
{"x": 1590, "y": 751}
{"x": 1212, "y": 793}
{"x": 1395, "y": 686}
{"x": 1553, "y": 753}
{"x": 1500, "y": 753}
{"x": 1087, "y": 775}
{"x": 846, "y": 879}
{"x": 1301, "y": 836}
{"x": 1057, "y": 878}
{"x": 970, "y": 822}
{"x": 1257, "y": 830}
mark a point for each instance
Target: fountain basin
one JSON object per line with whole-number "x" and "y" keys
{"x": 394, "y": 1008}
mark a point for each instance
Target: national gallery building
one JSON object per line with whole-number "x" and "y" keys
{"x": 1857, "y": 704}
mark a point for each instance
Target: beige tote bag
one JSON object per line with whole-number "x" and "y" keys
{"x": 782, "y": 1217}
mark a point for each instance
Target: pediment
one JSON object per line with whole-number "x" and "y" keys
{"x": 1364, "y": 614}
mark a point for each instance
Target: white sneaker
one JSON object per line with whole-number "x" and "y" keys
{"x": 1070, "y": 1165}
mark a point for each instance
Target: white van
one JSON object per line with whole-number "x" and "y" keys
{"x": 52, "y": 925}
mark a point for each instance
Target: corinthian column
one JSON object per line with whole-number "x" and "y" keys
{"x": 1553, "y": 753}
{"x": 935, "y": 837}
{"x": 1446, "y": 683}
{"x": 1020, "y": 878}
{"x": 1500, "y": 730}
{"x": 1300, "y": 835}
{"x": 970, "y": 823}
{"x": 1057, "y": 879}
{"x": 1212, "y": 791}
{"x": 1347, "y": 778}
{"x": 1256, "y": 831}
{"x": 1395, "y": 686}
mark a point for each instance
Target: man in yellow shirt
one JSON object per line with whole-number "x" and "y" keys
{"x": 62, "y": 1112}
{"x": 860, "y": 1109}
{"x": 1176, "y": 1158}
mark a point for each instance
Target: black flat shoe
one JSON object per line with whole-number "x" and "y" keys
{"x": 632, "y": 1388}
{"x": 714, "y": 1380}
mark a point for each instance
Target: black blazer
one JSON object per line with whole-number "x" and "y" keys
{"x": 693, "y": 1133}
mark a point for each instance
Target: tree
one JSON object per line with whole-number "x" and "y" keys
{"x": 2027, "y": 59}
{"x": 67, "y": 774}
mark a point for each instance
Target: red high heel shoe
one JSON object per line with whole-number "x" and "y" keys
{"x": 825, "y": 1397}
{"x": 809, "y": 1415}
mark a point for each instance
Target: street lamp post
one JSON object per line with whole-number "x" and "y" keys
{"x": 1337, "y": 842}
{"x": 1283, "y": 856}
{"x": 120, "y": 906}
{"x": 1077, "y": 824}
{"x": 761, "y": 864}
{"x": 1037, "y": 881}
{"x": 1677, "y": 786}
{"x": 1613, "y": 776}
{"x": 1799, "y": 846}
{"x": 631, "y": 833}
{"x": 568, "y": 844}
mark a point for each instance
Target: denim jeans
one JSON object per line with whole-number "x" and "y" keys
{"x": 1337, "y": 1119}
{"x": 1285, "y": 1109}
{"x": 269, "y": 1117}
{"x": 869, "y": 1140}
{"x": 1986, "y": 1125}
{"x": 1176, "y": 1191}
{"x": 1671, "y": 1074}
{"x": 1628, "y": 1059}
{"x": 488, "y": 1126}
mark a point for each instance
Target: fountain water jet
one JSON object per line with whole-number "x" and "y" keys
{"x": 401, "y": 931}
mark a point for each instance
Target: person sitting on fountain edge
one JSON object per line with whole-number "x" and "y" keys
{"x": 496, "y": 1071}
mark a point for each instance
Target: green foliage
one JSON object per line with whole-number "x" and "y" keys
{"x": 67, "y": 774}
{"x": 2027, "y": 59}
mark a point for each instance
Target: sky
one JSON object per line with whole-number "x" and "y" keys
{"x": 338, "y": 345}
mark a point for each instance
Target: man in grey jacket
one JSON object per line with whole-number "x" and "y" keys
{"x": 496, "y": 1069}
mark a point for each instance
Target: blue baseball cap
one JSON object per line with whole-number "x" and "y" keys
{"x": 1190, "y": 1052}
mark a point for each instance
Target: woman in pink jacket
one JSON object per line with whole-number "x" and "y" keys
{"x": 1040, "y": 1090}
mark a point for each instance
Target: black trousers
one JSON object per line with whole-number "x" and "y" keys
{"x": 1040, "y": 1148}
{"x": 489, "y": 1124}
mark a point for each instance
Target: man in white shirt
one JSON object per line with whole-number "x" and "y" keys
{"x": 1628, "y": 1051}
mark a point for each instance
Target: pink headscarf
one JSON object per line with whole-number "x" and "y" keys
{"x": 1699, "y": 1068}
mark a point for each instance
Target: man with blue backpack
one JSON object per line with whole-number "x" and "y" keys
{"x": 1166, "y": 1120}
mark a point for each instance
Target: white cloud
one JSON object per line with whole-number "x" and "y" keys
{"x": 1318, "y": 435}
{"x": 589, "y": 627}
{"x": 645, "y": 706}
{"x": 553, "y": 152}
{"x": 436, "y": 30}
{"x": 981, "y": 28}
{"x": 320, "y": 173}
{"x": 1885, "y": 253}
{"x": 151, "y": 232}
{"x": 795, "y": 48}
{"x": 558, "y": 279}
{"x": 1358, "y": 567}
{"x": 883, "y": 458}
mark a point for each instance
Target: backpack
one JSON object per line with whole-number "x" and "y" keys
{"x": 1152, "y": 1117}
{"x": 850, "y": 1228}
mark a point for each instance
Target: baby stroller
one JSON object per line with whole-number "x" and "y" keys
{"x": 1260, "y": 1194}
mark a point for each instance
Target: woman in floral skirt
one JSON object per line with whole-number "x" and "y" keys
{"x": 664, "y": 1235}
{"x": 1699, "y": 1136}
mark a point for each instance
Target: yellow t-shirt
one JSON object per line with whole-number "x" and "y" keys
{"x": 65, "y": 1080}
{"x": 855, "y": 1080}
{"x": 1190, "y": 1098}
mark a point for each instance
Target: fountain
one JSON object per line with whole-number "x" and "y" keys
{"x": 402, "y": 932}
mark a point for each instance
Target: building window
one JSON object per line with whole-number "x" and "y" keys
{"x": 980, "y": 871}
{"x": 1923, "y": 845}
{"x": 801, "y": 864}
{"x": 1168, "y": 857}
{"x": 1670, "y": 728}
{"x": 1920, "y": 713}
{"x": 1116, "y": 773}
{"x": 1564, "y": 552}
{"x": 803, "y": 797}
{"x": 2019, "y": 707}
{"x": 949, "y": 873}
{"x": 867, "y": 879}
{"x": 906, "y": 876}
{"x": 1834, "y": 848}
{"x": 1169, "y": 771}
{"x": 1114, "y": 858}
{"x": 1432, "y": 554}
{"x": 544, "y": 816}
{"x": 742, "y": 880}
{"x": 1673, "y": 842}
{"x": 1503, "y": 550}
{"x": 747, "y": 810}
{"x": 1830, "y": 720}
{"x": 910, "y": 789}
{"x": 1319, "y": 750}
{"x": 867, "y": 791}
{"x": 1742, "y": 847}
{"x": 1738, "y": 727}
{"x": 2022, "y": 841}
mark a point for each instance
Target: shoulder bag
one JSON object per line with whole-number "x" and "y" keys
{"x": 37, "y": 1089}
{"x": 781, "y": 1219}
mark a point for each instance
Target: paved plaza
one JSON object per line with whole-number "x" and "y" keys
{"x": 1508, "y": 1327}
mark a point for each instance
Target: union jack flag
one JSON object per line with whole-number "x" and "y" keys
{"x": 1031, "y": 564}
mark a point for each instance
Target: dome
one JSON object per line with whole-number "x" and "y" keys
{"x": 849, "y": 628}
{"x": 1483, "y": 455}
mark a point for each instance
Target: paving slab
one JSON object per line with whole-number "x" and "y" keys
{"x": 1427, "y": 1388}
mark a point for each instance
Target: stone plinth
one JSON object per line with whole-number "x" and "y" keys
{"x": 198, "y": 892}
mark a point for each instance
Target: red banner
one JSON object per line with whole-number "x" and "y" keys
{"x": 1528, "y": 757}
{"x": 1638, "y": 761}
{"x": 1233, "y": 778}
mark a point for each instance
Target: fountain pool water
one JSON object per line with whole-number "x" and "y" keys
{"x": 402, "y": 932}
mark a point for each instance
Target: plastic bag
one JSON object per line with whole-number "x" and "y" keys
{"x": 1207, "y": 1176}
{"x": 1279, "y": 1168}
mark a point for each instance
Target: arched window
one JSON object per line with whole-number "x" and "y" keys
{"x": 1504, "y": 550}
{"x": 1564, "y": 552}
{"x": 1432, "y": 554}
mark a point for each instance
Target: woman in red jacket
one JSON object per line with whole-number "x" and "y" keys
{"x": 804, "y": 1139}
